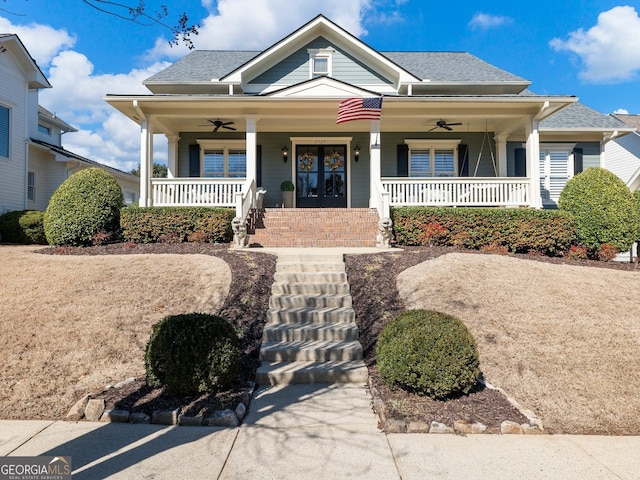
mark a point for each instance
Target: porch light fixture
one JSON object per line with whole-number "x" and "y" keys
{"x": 285, "y": 154}
{"x": 356, "y": 153}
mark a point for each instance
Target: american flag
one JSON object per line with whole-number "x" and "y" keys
{"x": 359, "y": 109}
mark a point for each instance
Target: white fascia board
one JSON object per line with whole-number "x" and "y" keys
{"x": 323, "y": 88}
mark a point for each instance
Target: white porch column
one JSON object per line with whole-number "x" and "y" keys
{"x": 251, "y": 139}
{"x": 375, "y": 168}
{"x": 146, "y": 162}
{"x": 533, "y": 161}
{"x": 172, "y": 155}
{"x": 501, "y": 141}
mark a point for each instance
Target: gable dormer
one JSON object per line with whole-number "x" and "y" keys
{"x": 319, "y": 48}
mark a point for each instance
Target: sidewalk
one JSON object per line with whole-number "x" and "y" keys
{"x": 315, "y": 432}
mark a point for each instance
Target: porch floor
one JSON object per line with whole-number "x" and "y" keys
{"x": 313, "y": 227}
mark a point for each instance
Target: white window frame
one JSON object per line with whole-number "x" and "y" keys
{"x": 545, "y": 167}
{"x": 225, "y": 146}
{"x": 44, "y": 129}
{"x": 324, "y": 54}
{"x": 8, "y": 132}
{"x": 31, "y": 186}
{"x": 432, "y": 145}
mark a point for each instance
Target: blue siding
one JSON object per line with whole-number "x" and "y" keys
{"x": 295, "y": 68}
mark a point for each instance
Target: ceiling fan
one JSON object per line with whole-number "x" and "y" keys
{"x": 443, "y": 124}
{"x": 218, "y": 124}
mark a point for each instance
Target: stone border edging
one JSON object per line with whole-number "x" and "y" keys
{"x": 461, "y": 427}
{"x": 93, "y": 410}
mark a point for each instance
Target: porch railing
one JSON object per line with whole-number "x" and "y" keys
{"x": 458, "y": 192}
{"x": 381, "y": 199}
{"x": 196, "y": 192}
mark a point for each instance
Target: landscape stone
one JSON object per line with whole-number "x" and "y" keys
{"x": 241, "y": 411}
{"x": 477, "y": 428}
{"x": 77, "y": 411}
{"x": 222, "y": 418}
{"x": 462, "y": 426}
{"x": 115, "y": 416}
{"x": 124, "y": 382}
{"x": 393, "y": 425}
{"x": 165, "y": 417}
{"x": 510, "y": 428}
{"x": 139, "y": 417}
{"x": 94, "y": 409}
{"x": 418, "y": 427}
{"x": 437, "y": 427}
{"x": 492, "y": 430}
{"x": 189, "y": 421}
{"x": 531, "y": 429}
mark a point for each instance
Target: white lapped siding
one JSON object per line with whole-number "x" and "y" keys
{"x": 13, "y": 94}
{"x": 623, "y": 156}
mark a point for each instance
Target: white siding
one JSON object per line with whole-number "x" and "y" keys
{"x": 13, "y": 94}
{"x": 623, "y": 156}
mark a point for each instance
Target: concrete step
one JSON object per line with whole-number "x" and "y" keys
{"x": 311, "y": 258}
{"x": 314, "y": 301}
{"x": 315, "y": 288}
{"x": 311, "y": 315}
{"x": 310, "y": 277}
{"x": 297, "y": 267}
{"x": 313, "y": 351}
{"x": 284, "y": 373}
{"x": 305, "y": 332}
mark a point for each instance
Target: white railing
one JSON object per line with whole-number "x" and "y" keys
{"x": 246, "y": 199}
{"x": 458, "y": 192}
{"x": 195, "y": 192}
{"x": 381, "y": 200}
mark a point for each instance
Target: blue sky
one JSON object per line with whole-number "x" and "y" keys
{"x": 590, "y": 49}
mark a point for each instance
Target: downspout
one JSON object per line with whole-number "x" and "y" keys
{"x": 26, "y": 173}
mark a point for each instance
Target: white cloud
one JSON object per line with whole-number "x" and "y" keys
{"x": 621, "y": 111}
{"x": 485, "y": 21}
{"x": 251, "y": 25}
{"x": 610, "y": 50}
{"x": 42, "y": 41}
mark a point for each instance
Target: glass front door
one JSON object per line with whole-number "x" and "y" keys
{"x": 321, "y": 176}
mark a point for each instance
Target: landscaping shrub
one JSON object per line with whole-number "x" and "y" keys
{"x": 517, "y": 230}
{"x": 604, "y": 209}
{"x": 428, "y": 353}
{"x": 192, "y": 353}
{"x": 84, "y": 205}
{"x": 176, "y": 224}
{"x": 23, "y": 226}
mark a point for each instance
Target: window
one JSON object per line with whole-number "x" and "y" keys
{"x": 428, "y": 158}
{"x": 45, "y": 130}
{"x": 31, "y": 186}
{"x": 556, "y": 167}
{"x": 4, "y": 131}
{"x": 130, "y": 197}
{"x": 320, "y": 62}
{"x": 223, "y": 159}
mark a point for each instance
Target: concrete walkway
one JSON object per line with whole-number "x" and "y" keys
{"x": 315, "y": 432}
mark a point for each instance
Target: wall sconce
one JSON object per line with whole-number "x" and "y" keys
{"x": 285, "y": 154}
{"x": 356, "y": 153}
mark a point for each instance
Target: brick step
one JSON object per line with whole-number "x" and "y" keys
{"x": 285, "y": 373}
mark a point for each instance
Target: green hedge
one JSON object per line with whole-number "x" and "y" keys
{"x": 23, "y": 226}
{"x": 176, "y": 224}
{"x": 547, "y": 232}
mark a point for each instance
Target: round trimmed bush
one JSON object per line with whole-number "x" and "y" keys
{"x": 23, "y": 226}
{"x": 428, "y": 353}
{"x": 85, "y": 205}
{"x": 603, "y": 207}
{"x": 192, "y": 353}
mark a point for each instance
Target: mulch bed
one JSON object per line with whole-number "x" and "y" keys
{"x": 372, "y": 278}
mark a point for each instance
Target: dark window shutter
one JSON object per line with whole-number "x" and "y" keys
{"x": 403, "y": 160}
{"x": 521, "y": 162}
{"x": 463, "y": 160}
{"x": 578, "y": 165}
{"x": 258, "y": 165}
{"x": 194, "y": 160}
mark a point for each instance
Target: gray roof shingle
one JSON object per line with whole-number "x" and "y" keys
{"x": 203, "y": 65}
{"x": 580, "y": 116}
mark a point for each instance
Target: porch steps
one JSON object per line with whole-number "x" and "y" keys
{"x": 311, "y": 335}
{"x": 313, "y": 227}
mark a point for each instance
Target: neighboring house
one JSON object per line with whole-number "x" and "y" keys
{"x": 623, "y": 154}
{"x": 33, "y": 162}
{"x": 454, "y": 130}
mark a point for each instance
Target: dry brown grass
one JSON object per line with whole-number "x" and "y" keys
{"x": 71, "y": 324}
{"x": 563, "y": 340}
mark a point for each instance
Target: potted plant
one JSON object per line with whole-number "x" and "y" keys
{"x": 286, "y": 189}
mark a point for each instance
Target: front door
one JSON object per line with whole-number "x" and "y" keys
{"x": 321, "y": 174}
